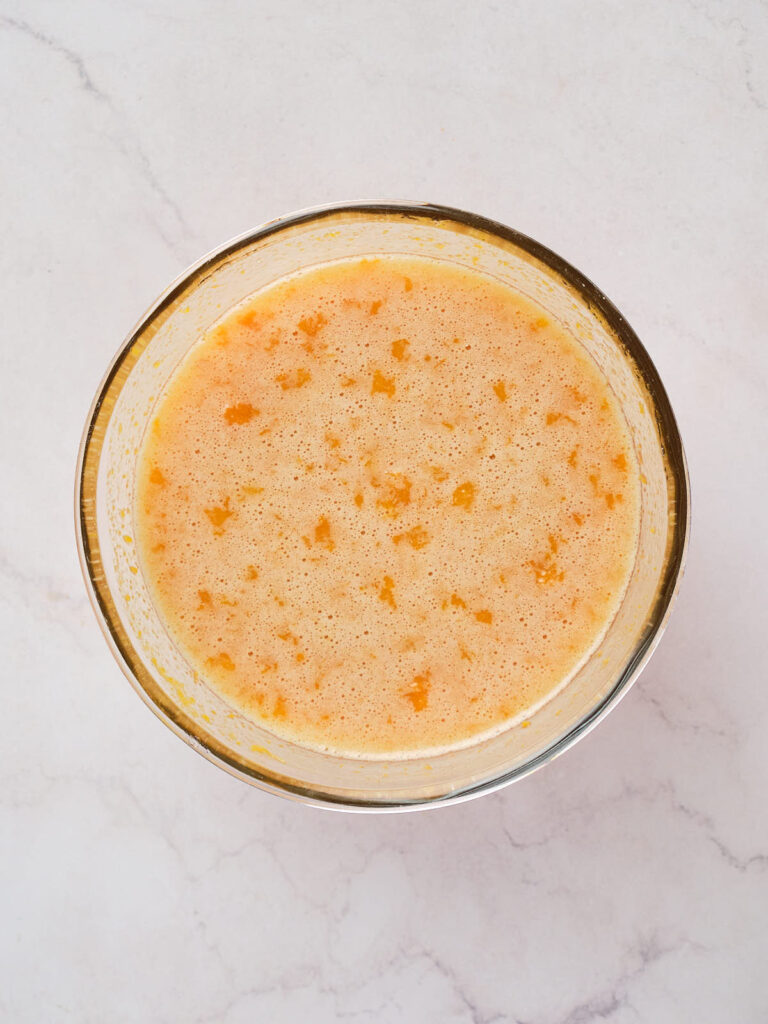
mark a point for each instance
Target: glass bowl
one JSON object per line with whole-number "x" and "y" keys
{"x": 105, "y": 499}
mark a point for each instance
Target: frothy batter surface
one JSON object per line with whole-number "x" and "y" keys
{"x": 387, "y": 505}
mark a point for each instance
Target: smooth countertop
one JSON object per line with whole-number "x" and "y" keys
{"x": 627, "y": 881}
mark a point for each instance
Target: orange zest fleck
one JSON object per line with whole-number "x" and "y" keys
{"x": 376, "y": 306}
{"x": 546, "y": 570}
{"x": 295, "y": 379}
{"x": 610, "y": 499}
{"x": 484, "y": 616}
{"x": 387, "y": 592}
{"x": 323, "y": 533}
{"x": 311, "y": 324}
{"x": 400, "y": 349}
{"x": 418, "y": 692}
{"x": 464, "y": 496}
{"x": 383, "y": 385}
{"x": 417, "y": 537}
{"x": 457, "y": 601}
{"x": 279, "y": 710}
{"x": 206, "y": 601}
{"x": 218, "y": 515}
{"x": 156, "y": 477}
{"x": 397, "y": 493}
{"x": 249, "y": 319}
{"x": 501, "y": 391}
{"x": 241, "y": 413}
{"x": 221, "y": 660}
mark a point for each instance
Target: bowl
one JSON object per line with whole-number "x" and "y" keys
{"x": 105, "y": 499}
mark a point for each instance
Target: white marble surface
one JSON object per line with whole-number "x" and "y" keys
{"x": 629, "y": 880}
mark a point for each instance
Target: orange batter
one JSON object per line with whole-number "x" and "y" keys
{"x": 386, "y": 506}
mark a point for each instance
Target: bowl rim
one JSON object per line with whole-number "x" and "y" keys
{"x": 672, "y": 448}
